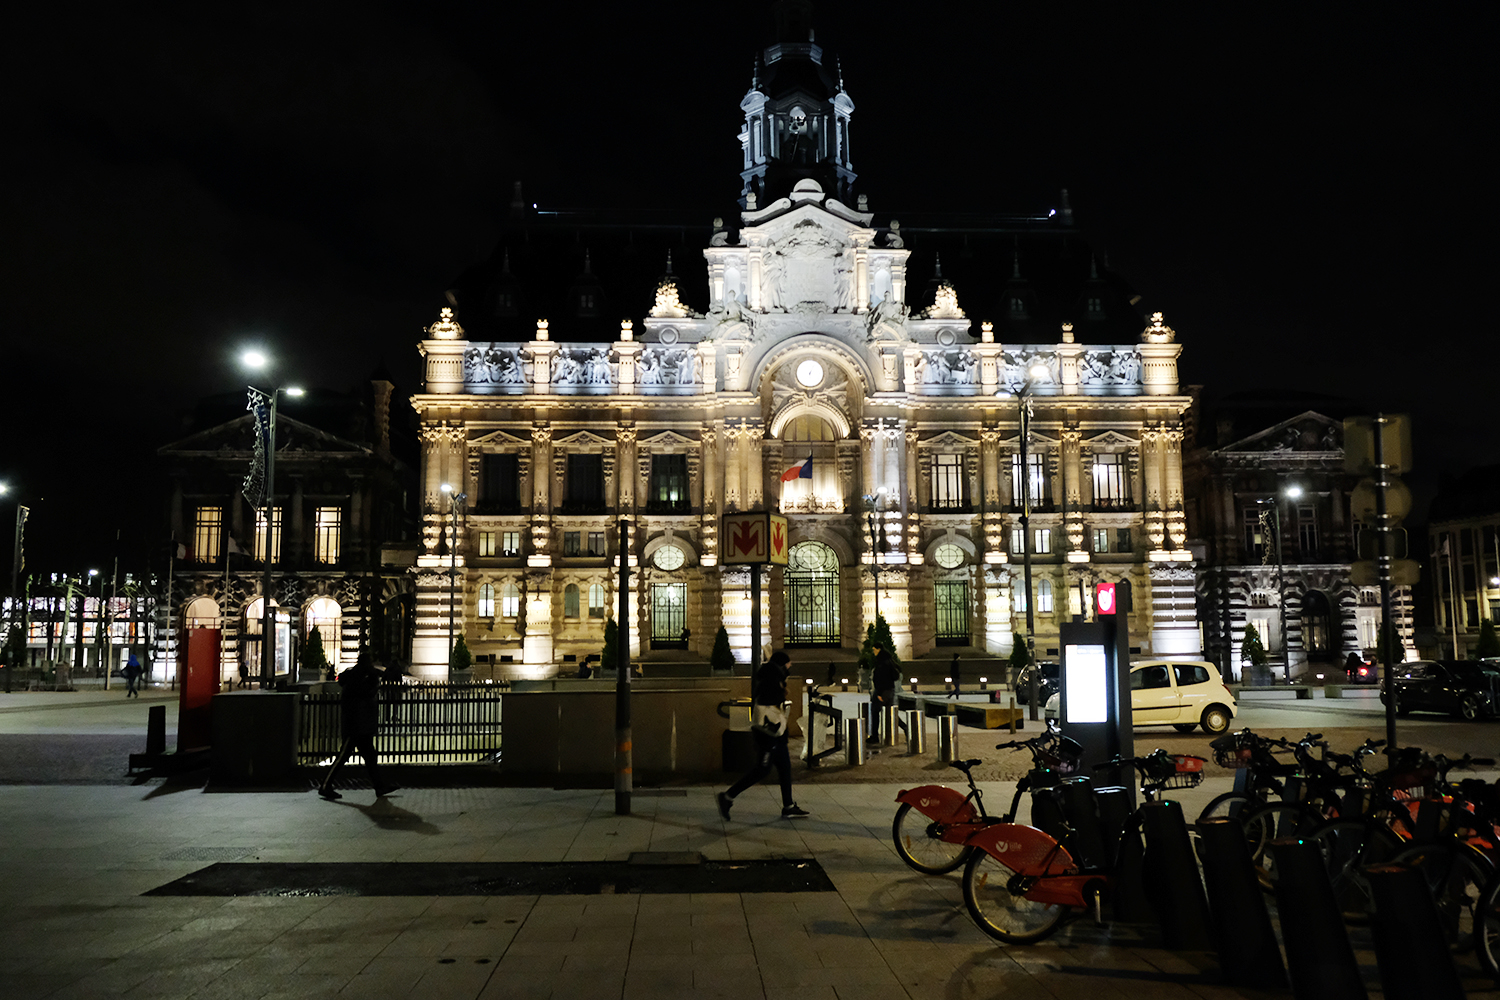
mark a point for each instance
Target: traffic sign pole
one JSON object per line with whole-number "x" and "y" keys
{"x": 1383, "y": 563}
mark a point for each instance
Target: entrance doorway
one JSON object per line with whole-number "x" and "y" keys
{"x": 812, "y": 595}
{"x": 952, "y": 612}
{"x": 668, "y": 615}
{"x": 1317, "y": 624}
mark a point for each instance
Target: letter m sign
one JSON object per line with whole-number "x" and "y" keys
{"x": 746, "y": 538}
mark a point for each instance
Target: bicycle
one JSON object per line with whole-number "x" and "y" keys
{"x": 934, "y": 822}
{"x": 1021, "y": 883}
{"x": 1266, "y": 777}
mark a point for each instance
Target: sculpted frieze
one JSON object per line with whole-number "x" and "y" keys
{"x": 945, "y": 367}
{"x": 496, "y": 364}
{"x": 1109, "y": 368}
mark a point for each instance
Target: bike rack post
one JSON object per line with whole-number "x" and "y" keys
{"x": 1319, "y": 957}
{"x": 1410, "y": 946}
{"x": 947, "y": 738}
{"x": 1241, "y": 922}
{"x": 854, "y": 740}
{"x": 1172, "y": 880}
{"x": 916, "y": 732}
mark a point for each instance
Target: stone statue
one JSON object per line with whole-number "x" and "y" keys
{"x": 773, "y": 278}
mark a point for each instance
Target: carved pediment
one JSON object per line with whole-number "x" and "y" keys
{"x": 949, "y": 440}
{"x": 502, "y": 437}
{"x": 582, "y": 440}
{"x": 667, "y": 440}
{"x": 238, "y": 436}
{"x": 1111, "y": 439}
{"x": 1307, "y": 432}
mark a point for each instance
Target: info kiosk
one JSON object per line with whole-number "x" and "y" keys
{"x": 1095, "y": 684}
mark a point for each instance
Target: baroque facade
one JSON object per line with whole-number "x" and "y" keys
{"x": 1464, "y": 542}
{"x": 1295, "y": 587}
{"x": 830, "y": 371}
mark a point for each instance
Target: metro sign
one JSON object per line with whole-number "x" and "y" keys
{"x": 1104, "y": 598}
{"x": 754, "y": 537}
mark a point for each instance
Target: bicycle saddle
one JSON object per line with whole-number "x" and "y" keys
{"x": 964, "y": 765}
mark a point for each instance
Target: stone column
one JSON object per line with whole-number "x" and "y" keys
{"x": 625, "y": 449}
{"x": 1175, "y": 515}
{"x": 541, "y": 495}
{"x": 733, "y": 436}
{"x": 910, "y": 495}
{"x": 1072, "y": 477}
{"x": 1152, "y": 507}
{"x": 867, "y": 439}
{"x": 755, "y": 462}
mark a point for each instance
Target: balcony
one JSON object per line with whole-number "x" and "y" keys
{"x": 505, "y": 506}
{"x": 950, "y": 507}
{"x": 1106, "y": 504}
{"x": 668, "y": 507}
{"x": 583, "y": 507}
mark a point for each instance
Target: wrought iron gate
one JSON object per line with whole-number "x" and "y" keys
{"x": 812, "y": 595}
{"x": 952, "y": 613}
{"x": 668, "y": 615}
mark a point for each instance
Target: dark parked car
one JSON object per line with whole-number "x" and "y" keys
{"x": 1047, "y": 680}
{"x": 1465, "y": 688}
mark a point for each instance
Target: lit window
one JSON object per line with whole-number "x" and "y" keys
{"x": 1109, "y": 481}
{"x": 1044, "y": 596}
{"x": 596, "y": 543}
{"x": 947, "y": 481}
{"x": 596, "y": 600}
{"x": 1101, "y": 539}
{"x": 1042, "y": 541}
{"x": 948, "y": 556}
{"x": 668, "y": 557}
{"x": 669, "y": 482}
{"x": 326, "y": 616}
{"x": 326, "y": 524}
{"x": 1017, "y": 541}
{"x": 1018, "y": 599}
{"x": 510, "y": 543}
{"x": 1307, "y": 531}
{"x": 570, "y": 601}
{"x": 485, "y": 606}
{"x": 510, "y": 601}
{"x": 208, "y": 525}
{"x": 486, "y": 543}
{"x": 275, "y": 535}
{"x": 1037, "y": 481}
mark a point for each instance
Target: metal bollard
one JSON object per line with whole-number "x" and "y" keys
{"x": 854, "y": 740}
{"x": 1242, "y": 925}
{"x": 916, "y": 733}
{"x": 888, "y": 726}
{"x": 1319, "y": 956}
{"x": 156, "y": 729}
{"x": 1410, "y": 945}
{"x": 947, "y": 738}
{"x": 1172, "y": 881}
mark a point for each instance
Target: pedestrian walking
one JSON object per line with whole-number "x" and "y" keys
{"x": 360, "y": 715}
{"x": 244, "y": 675}
{"x": 957, "y": 677}
{"x": 769, "y": 727}
{"x": 884, "y": 677}
{"x": 132, "y": 673}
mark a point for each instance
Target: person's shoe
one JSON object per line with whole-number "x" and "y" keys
{"x": 329, "y": 794}
{"x": 725, "y": 803}
{"x": 387, "y": 789}
{"x": 793, "y": 811}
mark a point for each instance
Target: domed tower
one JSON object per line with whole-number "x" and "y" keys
{"x": 796, "y": 115}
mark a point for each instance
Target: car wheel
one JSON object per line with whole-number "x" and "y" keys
{"x": 1184, "y": 727}
{"x": 1468, "y": 709}
{"x": 1402, "y": 708}
{"x": 1215, "y": 719}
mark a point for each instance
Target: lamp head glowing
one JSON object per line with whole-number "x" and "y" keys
{"x": 446, "y": 488}
{"x": 295, "y": 391}
{"x": 93, "y": 572}
{"x": 1294, "y": 491}
{"x": 254, "y": 359}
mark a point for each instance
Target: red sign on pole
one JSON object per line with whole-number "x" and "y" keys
{"x": 754, "y": 537}
{"x": 1104, "y": 598}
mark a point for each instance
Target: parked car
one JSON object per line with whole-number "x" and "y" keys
{"x": 1469, "y": 689}
{"x": 1185, "y": 694}
{"x": 1047, "y": 681}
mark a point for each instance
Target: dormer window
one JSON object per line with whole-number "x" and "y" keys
{"x": 505, "y": 304}
{"x": 1017, "y": 307}
{"x": 588, "y": 304}
{"x": 1096, "y": 307}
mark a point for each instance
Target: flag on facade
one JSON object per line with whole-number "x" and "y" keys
{"x": 180, "y": 550}
{"x": 234, "y": 547}
{"x": 802, "y": 470}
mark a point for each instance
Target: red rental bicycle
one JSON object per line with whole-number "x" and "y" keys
{"x": 1020, "y": 882}
{"x": 934, "y": 823}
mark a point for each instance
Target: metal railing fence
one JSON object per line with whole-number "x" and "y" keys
{"x": 419, "y": 724}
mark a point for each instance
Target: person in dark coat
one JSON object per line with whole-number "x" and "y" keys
{"x": 132, "y": 674}
{"x": 360, "y": 713}
{"x": 957, "y": 678}
{"x": 883, "y": 680}
{"x": 769, "y": 727}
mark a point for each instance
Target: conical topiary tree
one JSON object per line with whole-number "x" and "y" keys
{"x": 1489, "y": 642}
{"x": 1020, "y": 657}
{"x": 313, "y": 657}
{"x": 1252, "y": 651}
{"x": 876, "y": 635}
{"x": 462, "y": 659}
{"x": 609, "y": 657}
{"x": 722, "y": 657}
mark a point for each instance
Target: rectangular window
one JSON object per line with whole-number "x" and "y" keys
{"x": 1017, "y": 541}
{"x": 485, "y": 606}
{"x": 947, "y": 481}
{"x": 1101, "y": 539}
{"x": 510, "y": 601}
{"x": 327, "y": 522}
{"x": 1307, "y": 531}
{"x": 596, "y": 543}
{"x": 1037, "y": 480}
{"x": 208, "y": 538}
{"x": 572, "y": 542}
{"x": 669, "y": 483}
{"x": 1109, "y": 481}
{"x": 486, "y": 543}
{"x": 274, "y": 535}
{"x": 596, "y": 600}
{"x": 585, "y": 488}
{"x": 510, "y": 543}
{"x": 1122, "y": 540}
{"x": 1255, "y": 538}
{"x": 1042, "y": 541}
{"x": 570, "y": 601}
{"x": 1044, "y": 596}
{"x": 499, "y": 483}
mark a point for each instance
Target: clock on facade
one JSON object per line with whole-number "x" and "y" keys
{"x": 810, "y": 373}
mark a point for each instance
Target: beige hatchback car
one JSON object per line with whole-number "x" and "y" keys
{"x": 1185, "y": 694}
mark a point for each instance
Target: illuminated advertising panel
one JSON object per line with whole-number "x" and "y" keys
{"x": 1085, "y": 684}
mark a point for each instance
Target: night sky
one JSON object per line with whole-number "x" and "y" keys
{"x": 1305, "y": 196}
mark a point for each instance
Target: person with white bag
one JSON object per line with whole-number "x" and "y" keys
{"x": 769, "y": 726}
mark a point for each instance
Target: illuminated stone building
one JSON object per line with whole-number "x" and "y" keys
{"x": 1464, "y": 562}
{"x": 1276, "y": 463}
{"x": 342, "y": 535}
{"x": 600, "y": 369}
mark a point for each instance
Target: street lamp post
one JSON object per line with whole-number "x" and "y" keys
{"x": 877, "y": 539}
{"x": 1292, "y": 492}
{"x": 257, "y": 360}
{"x": 454, "y": 501}
{"x": 1025, "y": 409}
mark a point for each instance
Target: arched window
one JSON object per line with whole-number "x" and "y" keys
{"x": 510, "y": 601}
{"x": 570, "y": 601}
{"x": 201, "y": 612}
{"x": 812, "y": 580}
{"x": 1018, "y": 600}
{"x": 327, "y": 617}
{"x": 485, "y": 606}
{"x": 1044, "y": 596}
{"x": 596, "y": 600}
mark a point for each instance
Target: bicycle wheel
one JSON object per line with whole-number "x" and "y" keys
{"x": 1002, "y": 912}
{"x": 1274, "y": 821}
{"x": 919, "y": 846}
{"x": 1456, "y": 875}
{"x": 1233, "y": 804}
{"x": 1487, "y": 927}
{"x": 1349, "y": 846}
